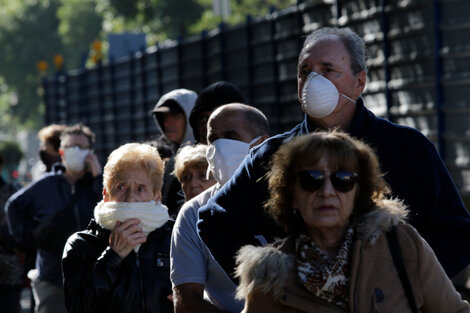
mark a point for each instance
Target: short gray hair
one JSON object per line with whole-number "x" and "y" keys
{"x": 351, "y": 41}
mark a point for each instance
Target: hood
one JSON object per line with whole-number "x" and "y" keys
{"x": 185, "y": 99}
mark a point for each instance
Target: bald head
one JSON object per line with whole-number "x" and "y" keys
{"x": 236, "y": 121}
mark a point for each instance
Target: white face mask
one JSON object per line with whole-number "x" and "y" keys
{"x": 320, "y": 96}
{"x": 225, "y": 155}
{"x": 75, "y": 158}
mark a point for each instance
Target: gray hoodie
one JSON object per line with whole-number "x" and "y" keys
{"x": 185, "y": 99}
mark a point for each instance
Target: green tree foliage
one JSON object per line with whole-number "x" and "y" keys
{"x": 28, "y": 34}
{"x": 239, "y": 10}
{"x": 34, "y": 30}
{"x": 81, "y": 22}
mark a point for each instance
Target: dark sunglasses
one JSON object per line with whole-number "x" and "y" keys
{"x": 342, "y": 181}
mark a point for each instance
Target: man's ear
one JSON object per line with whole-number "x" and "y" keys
{"x": 361, "y": 78}
{"x": 61, "y": 152}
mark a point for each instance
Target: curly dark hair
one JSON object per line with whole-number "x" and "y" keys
{"x": 344, "y": 153}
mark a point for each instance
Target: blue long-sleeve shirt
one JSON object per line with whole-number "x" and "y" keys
{"x": 235, "y": 216}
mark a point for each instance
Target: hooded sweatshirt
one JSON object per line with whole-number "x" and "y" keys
{"x": 185, "y": 99}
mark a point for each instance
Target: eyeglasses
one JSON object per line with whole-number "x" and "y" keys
{"x": 312, "y": 180}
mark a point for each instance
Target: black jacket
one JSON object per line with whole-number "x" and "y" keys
{"x": 96, "y": 279}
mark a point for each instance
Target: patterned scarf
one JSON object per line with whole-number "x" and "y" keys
{"x": 150, "y": 214}
{"x": 327, "y": 279}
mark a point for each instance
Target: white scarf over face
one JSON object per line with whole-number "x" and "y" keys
{"x": 150, "y": 214}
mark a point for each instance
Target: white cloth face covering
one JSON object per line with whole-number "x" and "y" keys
{"x": 225, "y": 155}
{"x": 152, "y": 215}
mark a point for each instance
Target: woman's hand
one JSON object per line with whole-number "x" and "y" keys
{"x": 125, "y": 236}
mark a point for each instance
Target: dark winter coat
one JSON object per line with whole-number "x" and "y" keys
{"x": 98, "y": 280}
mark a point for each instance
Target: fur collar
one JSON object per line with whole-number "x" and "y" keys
{"x": 388, "y": 213}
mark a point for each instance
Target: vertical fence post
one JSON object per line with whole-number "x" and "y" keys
{"x": 158, "y": 64}
{"x": 45, "y": 87}
{"x": 273, "y": 42}
{"x": 386, "y": 51}
{"x": 179, "y": 55}
{"x": 132, "y": 93}
{"x": 337, "y": 12}
{"x": 438, "y": 79}
{"x": 102, "y": 120}
{"x": 145, "y": 101}
{"x": 57, "y": 97}
{"x": 249, "y": 39}
{"x": 84, "y": 106}
{"x": 112, "y": 71}
{"x": 223, "y": 62}
{"x": 204, "y": 62}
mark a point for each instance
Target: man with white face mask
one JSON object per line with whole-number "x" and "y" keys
{"x": 331, "y": 78}
{"x": 43, "y": 214}
{"x": 232, "y": 130}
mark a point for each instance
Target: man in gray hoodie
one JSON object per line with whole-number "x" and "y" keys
{"x": 171, "y": 114}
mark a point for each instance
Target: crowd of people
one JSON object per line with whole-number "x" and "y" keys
{"x": 346, "y": 212}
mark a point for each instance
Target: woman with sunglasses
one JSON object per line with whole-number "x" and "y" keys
{"x": 328, "y": 193}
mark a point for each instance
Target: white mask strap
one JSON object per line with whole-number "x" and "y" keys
{"x": 350, "y": 99}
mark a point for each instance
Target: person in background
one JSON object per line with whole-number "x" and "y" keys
{"x": 47, "y": 211}
{"x": 328, "y": 193}
{"x": 12, "y": 269}
{"x": 233, "y": 129}
{"x": 120, "y": 263}
{"x": 49, "y": 144}
{"x": 209, "y": 99}
{"x": 171, "y": 115}
{"x": 191, "y": 169}
{"x": 331, "y": 78}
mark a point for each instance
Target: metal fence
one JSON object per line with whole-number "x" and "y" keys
{"x": 419, "y": 73}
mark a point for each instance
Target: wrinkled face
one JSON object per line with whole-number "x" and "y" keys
{"x": 193, "y": 181}
{"x": 331, "y": 60}
{"x": 132, "y": 185}
{"x": 174, "y": 126}
{"x": 326, "y": 208}
{"x": 228, "y": 125}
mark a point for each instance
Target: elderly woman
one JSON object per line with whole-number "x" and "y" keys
{"x": 120, "y": 263}
{"x": 191, "y": 168}
{"x": 329, "y": 195}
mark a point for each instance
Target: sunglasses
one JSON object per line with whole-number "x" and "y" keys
{"x": 312, "y": 180}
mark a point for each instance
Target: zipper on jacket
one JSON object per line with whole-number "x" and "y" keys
{"x": 76, "y": 209}
{"x": 137, "y": 264}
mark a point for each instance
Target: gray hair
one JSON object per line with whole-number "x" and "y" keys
{"x": 351, "y": 41}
